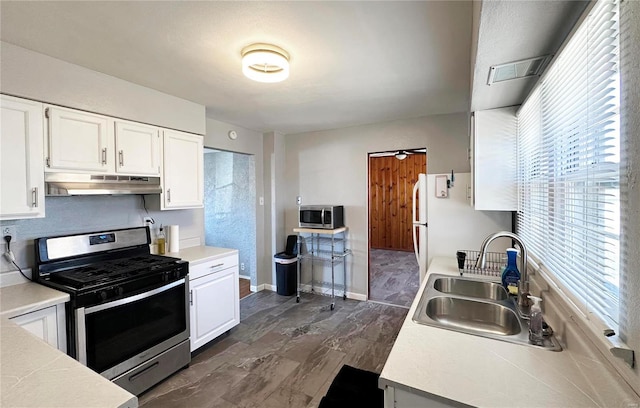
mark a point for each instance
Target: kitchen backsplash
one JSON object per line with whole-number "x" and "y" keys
{"x": 77, "y": 214}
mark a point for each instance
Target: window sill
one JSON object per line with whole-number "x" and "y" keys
{"x": 560, "y": 307}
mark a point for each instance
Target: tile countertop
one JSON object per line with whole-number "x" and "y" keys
{"x": 482, "y": 372}
{"x": 200, "y": 254}
{"x": 34, "y": 374}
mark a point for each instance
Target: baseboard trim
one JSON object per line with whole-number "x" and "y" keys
{"x": 327, "y": 291}
{"x": 244, "y": 277}
{"x": 317, "y": 289}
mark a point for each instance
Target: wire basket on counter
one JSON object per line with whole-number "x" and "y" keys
{"x": 494, "y": 263}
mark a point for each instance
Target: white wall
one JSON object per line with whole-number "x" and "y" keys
{"x": 275, "y": 188}
{"x": 330, "y": 167}
{"x": 454, "y": 225}
{"x": 32, "y": 75}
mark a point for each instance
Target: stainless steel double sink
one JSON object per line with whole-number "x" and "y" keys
{"x": 476, "y": 307}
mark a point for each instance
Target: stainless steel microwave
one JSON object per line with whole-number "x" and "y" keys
{"x": 322, "y": 216}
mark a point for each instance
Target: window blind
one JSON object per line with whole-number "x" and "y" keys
{"x": 568, "y": 165}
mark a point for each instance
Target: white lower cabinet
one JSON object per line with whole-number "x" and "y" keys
{"x": 214, "y": 299}
{"x": 400, "y": 398}
{"x": 47, "y": 324}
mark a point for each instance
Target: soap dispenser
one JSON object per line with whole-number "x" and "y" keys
{"x": 535, "y": 321}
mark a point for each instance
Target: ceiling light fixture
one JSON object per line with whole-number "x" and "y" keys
{"x": 265, "y": 63}
{"x": 401, "y": 155}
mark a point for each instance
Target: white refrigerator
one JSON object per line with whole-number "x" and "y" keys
{"x": 419, "y": 211}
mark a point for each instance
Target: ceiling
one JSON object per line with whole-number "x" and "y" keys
{"x": 509, "y": 31}
{"x": 351, "y": 62}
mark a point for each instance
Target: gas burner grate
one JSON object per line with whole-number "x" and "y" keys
{"x": 105, "y": 272}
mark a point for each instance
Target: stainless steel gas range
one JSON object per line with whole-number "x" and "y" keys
{"x": 128, "y": 318}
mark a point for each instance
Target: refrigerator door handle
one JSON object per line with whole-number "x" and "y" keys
{"x": 415, "y": 227}
{"x": 415, "y": 242}
{"x": 414, "y": 205}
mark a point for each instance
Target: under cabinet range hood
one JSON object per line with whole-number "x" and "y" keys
{"x": 68, "y": 184}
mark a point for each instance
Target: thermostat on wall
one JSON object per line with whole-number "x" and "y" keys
{"x": 233, "y": 135}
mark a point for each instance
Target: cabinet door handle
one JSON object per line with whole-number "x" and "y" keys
{"x": 34, "y": 197}
{"x": 168, "y": 195}
{"x": 191, "y": 297}
{"x": 121, "y": 156}
{"x": 104, "y": 155}
{"x": 217, "y": 265}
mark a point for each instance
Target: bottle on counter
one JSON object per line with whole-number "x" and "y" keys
{"x": 510, "y": 273}
{"x": 535, "y": 321}
{"x": 161, "y": 241}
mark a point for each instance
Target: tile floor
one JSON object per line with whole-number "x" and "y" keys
{"x": 282, "y": 354}
{"x": 393, "y": 277}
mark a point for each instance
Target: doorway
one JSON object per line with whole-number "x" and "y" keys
{"x": 394, "y": 275}
{"x": 229, "y": 209}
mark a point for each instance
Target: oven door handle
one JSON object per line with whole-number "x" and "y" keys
{"x": 135, "y": 298}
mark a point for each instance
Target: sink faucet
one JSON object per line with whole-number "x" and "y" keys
{"x": 523, "y": 284}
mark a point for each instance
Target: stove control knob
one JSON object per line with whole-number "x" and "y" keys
{"x": 102, "y": 295}
{"x": 119, "y": 290}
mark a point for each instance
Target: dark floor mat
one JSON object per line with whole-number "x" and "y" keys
{"x": 353, "y": 387}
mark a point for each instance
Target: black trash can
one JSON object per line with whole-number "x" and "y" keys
{"x": 286, "y": 273}
{"x": 287, "y": 268}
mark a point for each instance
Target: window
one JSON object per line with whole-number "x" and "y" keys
{"x": 569, "y": 160}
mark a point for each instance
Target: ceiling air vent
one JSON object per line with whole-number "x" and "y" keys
{"x": 518, "y": 69}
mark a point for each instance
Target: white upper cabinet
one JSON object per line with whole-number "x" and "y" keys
{"x": 183, "y": 172}
{"x": 85, "y": 142}
{"x": 79, "y": 141}
{"x": 493, "y": 160}
{"x": 137, "y": 148}
{"x": 21, "y": 152}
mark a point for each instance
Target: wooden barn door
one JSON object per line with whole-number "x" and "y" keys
{"x": 390, "y": 188}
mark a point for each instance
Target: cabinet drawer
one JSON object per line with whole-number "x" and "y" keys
{"x": 213, "y": 266}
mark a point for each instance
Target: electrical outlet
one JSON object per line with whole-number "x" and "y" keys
{"x": 242, "y": 266}
{"x": 9, "y": 230}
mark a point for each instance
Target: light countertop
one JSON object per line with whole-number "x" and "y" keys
{"x": 27, "y": 297}
{"x": 35, "y": 374}
{"x": 482, "y": 372}
{"x": 201, "y": 254}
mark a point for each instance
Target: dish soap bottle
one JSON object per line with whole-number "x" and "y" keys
{"x": 510, "y": 273}
{"x": 162, "y": 241}
{"x": 535, "y": 321}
